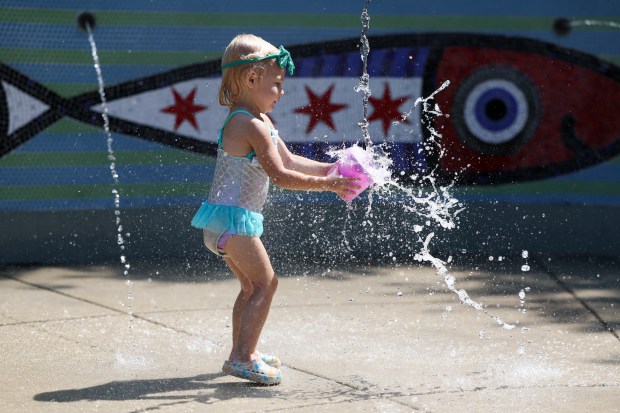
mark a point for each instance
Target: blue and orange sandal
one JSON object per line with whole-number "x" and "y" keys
{"x": 256, "y": 371}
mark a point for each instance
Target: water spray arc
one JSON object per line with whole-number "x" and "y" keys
{"x": 86, "y": 22}
{"x": 438, "y": 206}
{"x": 364, "y": 83}
{"x": 563, "y": 26}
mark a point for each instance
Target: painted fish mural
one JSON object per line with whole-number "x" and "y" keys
{"x": 518, "y": 109}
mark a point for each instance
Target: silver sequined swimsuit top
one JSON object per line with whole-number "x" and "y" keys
{"x": 239, "y": 181}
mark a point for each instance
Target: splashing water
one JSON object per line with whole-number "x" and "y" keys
{"x": 525, "y": 267}
{"x": 437, "y": 205}
{"x": 112, "y": 158}
{"x": 449, "y": 280}
{"x": 434, "y": 205}
{"x": 576, "y": 23}
{"x": 522, "y": 299}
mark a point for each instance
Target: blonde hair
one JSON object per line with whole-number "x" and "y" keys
{"x": 242, "y": 47}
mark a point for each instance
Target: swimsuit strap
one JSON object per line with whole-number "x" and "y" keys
{"x": 234, "y": 112}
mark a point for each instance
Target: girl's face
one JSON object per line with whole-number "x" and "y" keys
{"x": 269, "y": 88}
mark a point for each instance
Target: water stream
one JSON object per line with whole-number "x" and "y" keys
{"x": 588, "y": 22}
{"x": 120, "y": 239}
{"x": 364, "y": 83}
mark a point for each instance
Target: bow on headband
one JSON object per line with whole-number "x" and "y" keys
{"x": 285, "y": 61}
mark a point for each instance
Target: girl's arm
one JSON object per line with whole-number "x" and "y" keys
{"x": 302, "y": 164}
{"x": 259, "y": 137}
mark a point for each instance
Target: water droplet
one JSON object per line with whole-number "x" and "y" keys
{"x": 525, "y": 254}
{"x": 525, "y": 268}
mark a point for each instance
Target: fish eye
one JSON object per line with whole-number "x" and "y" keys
{"x": 496, "y": 110}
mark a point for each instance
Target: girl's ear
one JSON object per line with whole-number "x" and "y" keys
{"x": 251, "y": 77}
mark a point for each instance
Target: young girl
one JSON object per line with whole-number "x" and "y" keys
{"x": 250, "y": 153}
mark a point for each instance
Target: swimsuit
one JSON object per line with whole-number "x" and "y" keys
{"x": 238, "y": 193}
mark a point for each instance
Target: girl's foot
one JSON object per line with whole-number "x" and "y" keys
{"x": 271, "y": 360}
{"x": 256, "y": 371}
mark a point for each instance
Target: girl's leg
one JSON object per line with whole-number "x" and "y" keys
{"x": 240, "y": 302}
{"x": 249, "y": 257}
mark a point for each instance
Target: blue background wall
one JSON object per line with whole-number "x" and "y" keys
{"x": 55, "y": 189}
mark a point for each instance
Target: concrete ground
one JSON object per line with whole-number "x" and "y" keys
{"x": 367, "y": 338}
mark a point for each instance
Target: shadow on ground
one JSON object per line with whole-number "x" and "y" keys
{"x": 207, "y": 389}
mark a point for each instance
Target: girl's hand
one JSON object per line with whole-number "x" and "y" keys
{"x": 341, "y": 185}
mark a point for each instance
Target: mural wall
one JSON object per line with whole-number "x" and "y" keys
{"x": 530, "y": 107}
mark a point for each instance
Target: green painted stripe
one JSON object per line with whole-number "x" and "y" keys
{"x": 615, "y": 59}
{"x": 29, "y": 193}
{"x": 71, "y": 89}
{"x": 69, "y": 125}
{"x": 255, "y": 20}
{"x": 147, "y": 157}
{"x": 37, "y": 15}
{"x": 107, "y": 57}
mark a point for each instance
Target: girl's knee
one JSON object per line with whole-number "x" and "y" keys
{"x": 268, "y": 284}
{"x": 247, "y": 290}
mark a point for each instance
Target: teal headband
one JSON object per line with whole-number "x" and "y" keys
{"x": 284, "y": 60}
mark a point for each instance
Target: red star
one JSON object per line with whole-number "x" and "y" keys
{"x": 320, "y": 108}
{"x": 386, "y": 109}
{"x": 184, "y": 109}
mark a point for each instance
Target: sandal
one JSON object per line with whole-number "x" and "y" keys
{"x": 273, "y": 361}
{"x": 256, "y": 371}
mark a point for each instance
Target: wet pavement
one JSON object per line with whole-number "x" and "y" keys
{"x": 367, "y": 338}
